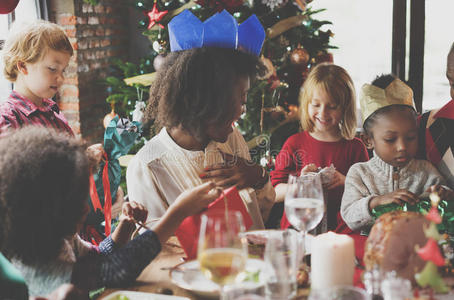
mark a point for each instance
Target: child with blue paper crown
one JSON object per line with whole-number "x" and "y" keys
{"x": 197, "y": 95}
{"x": 393, "y": 175}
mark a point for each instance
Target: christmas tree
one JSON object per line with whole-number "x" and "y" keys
{"x": 294, "y": 43}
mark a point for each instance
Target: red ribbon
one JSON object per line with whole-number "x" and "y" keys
{"x": 107, "y": 196}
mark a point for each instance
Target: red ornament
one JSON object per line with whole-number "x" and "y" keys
{"x": 324, "y": 57}
{"x": 7, "y": 6}
{"x": 299, "y": 57}
{"x": 155, "y": 16}
{"x": 431, "y": 252}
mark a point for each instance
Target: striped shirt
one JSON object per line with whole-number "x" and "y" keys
{"x": 19, "y": 111}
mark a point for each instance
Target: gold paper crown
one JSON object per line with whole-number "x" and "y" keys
{"x": 373, "y": 98}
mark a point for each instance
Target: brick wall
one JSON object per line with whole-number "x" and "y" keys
{"x": 98, "y": 34}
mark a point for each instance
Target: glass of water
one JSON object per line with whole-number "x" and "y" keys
{"x": 304, "y": 203}
{"x": 283, "y": 253}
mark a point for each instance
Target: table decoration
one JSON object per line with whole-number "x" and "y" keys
{"x": 332, "y": 261}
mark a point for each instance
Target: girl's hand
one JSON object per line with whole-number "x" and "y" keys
{"x": 131, "y": 213}
{"x": 399, "y": 197}
{"x": 235, "y": 171}
{"x": 444, "y": 193}
{"x": 187, "y": 204}
{"x": 337, "y": 180}
{"x": 309, "y": 168}
{"x": 193, "y": 201}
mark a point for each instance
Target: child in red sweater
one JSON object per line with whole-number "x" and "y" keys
{"x": 328, "y": 117}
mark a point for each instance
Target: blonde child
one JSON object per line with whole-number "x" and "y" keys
{"x": 43, "y": 204}
{"x": 393, "y": 175}
{"x": 328, "y": 117}
{"x": 35, "y": 57}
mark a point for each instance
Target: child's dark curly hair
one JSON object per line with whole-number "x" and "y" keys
{"x": 382, "y": 82}
{"x": 194, "y": 88}
{"x": 43, "y": 192}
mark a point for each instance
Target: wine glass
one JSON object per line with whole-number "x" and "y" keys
{"x": 304, "y": 204}
{"x": 222, "y": 253}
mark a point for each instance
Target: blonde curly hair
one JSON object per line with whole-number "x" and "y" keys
{"x": 28, "y": 43}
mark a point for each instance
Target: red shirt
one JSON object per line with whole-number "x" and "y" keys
{"x": 301, "y": 149}
{"x": 19, "y": 111}
{"x": 436, "y": 142}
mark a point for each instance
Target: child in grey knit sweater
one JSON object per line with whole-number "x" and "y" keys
{"x": 393, "y": 175}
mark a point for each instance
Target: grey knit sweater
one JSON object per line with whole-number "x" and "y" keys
{"x": 366, "y": 180}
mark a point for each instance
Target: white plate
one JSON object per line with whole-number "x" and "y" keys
{"x": 189, "y": 277}
{"x": 141, "y": 296}
{"x": 259, "y": 237}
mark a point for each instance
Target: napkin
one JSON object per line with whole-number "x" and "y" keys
{"x": 188, "y": 231}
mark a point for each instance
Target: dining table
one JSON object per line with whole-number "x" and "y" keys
{"x": 155, "y": 278}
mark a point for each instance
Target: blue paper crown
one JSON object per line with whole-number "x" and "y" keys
{"x": 186, "y": 31}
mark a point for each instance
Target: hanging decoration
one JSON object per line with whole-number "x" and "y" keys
{"x": 155, "y": 16}
{"x": 139, "y": 108}
{"x": 158, "y": 61}
{"x": 299, "y": 57}
{"x": 109, "y": 116}
{"x": 272, "y": 4}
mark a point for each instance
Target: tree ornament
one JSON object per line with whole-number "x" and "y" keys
{"x": 8, "y": 6}
{"x": 158, "y": 61}
{"x": 109, "y": 116}
{"x": 155, "y": 16}
{"x": 139, "y": 108}
{"x": 293, "y": 112}
{"x": 299, "y": 57}
{"x": 323, "y": 57}
{"x": 272, "y": 4}
{"x": 160, "y": 46}
{"x": 270, "y": 70}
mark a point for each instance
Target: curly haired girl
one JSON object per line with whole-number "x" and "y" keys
{"x": 43, "y": 191}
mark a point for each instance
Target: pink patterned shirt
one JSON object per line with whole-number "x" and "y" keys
{"x": 19, "y": 111}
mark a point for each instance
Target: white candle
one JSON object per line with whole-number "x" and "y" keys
{"x": 332, "y": 260}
